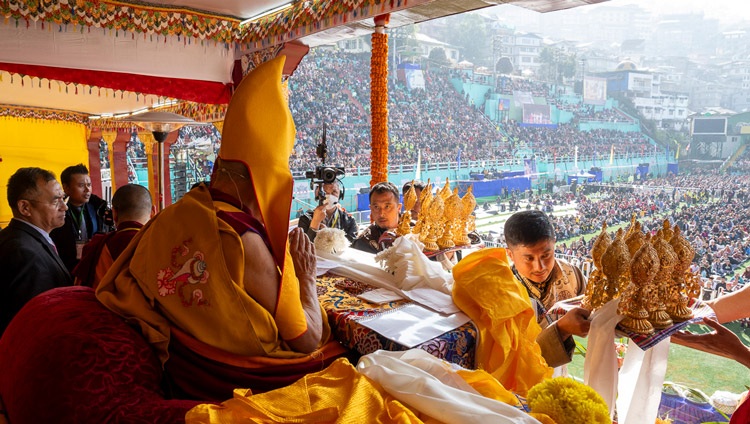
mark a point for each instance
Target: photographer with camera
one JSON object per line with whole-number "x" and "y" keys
{"x": 329, "y": 191}
{"x": 329, "y": 213}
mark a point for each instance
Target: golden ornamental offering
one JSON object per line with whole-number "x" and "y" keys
{"x": 634, "y": 225}
{"x": 616, "y": 269}
{"x": 451, "y": 212}
{"x": 634, "y": 299}
{"x": 667, "y": 230}
{"x": 445, "y": 218}
{"x": 466, "y": 223}
{"x": 435, "y": 224}
{"x": 683, "y": 283}
{"x": 445, "y": 190}
{"x": 650, "y": 274}
{"x": 423, "y": 226}
{"x": 596, "y": 284}
{"x": 634, "y": 238}
{"x": 657, "y": 309}
{"x": 410, "y": 199}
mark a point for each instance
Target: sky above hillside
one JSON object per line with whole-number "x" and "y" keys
{"x": 726, "y": 11}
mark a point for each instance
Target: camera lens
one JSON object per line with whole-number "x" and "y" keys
{"x": 328, "y": 175}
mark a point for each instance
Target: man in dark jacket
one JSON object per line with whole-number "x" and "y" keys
{"x": 385, "y": 206}
{"x": 28, "y": 259}
{"x": 87, "y": 215}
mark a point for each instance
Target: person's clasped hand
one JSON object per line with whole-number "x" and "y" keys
{"x": 302, "y": 251}
{"x": 575, "y": 322}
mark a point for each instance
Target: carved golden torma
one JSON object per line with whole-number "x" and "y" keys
{"x": 444, "y": 220}
{"x": 649, "y": 274}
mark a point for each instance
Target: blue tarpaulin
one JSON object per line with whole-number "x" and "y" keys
{"x": 673, "y": 168}
{"x": 494, "y": 187}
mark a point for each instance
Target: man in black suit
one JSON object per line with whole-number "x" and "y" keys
{"x": 84, "y": 218}
{"x": 29, "y": 264}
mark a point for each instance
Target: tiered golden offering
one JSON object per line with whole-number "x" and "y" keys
{"x": 643, "y": 268}
{"x": 444, "y": 220}
{"x": 649, "y": 274}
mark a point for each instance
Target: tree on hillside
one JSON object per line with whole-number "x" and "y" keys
{"x": 437, "y": 55}
{"x": 556, "y": 64}
{"x": 504, "y": 66}
{"x": 469, "y": 32}
{"x": 404, "y": 43}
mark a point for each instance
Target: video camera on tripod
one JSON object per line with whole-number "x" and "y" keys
{"x": 324, "y": 174}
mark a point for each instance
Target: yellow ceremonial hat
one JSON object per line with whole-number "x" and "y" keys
{"x": 259, "y": 132}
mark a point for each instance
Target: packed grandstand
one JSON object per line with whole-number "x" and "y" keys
{"x": 439, "y": 121}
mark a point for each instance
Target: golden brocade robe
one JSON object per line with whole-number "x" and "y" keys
{"x": 185, "y": 268}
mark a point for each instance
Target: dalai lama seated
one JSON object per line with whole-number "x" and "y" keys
{"x": 216, "y": 284}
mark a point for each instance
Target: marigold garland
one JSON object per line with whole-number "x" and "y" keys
{"x": 567, "y": 401}
{"x": 379, "y": 108}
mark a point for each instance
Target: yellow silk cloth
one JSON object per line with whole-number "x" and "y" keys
{"x": 259, "y": 132}
{"x": 486, "y": 290}
{"x": 487, "y": 386}
{"x": 185, "y": 269}
{"x": 337, "y": 394}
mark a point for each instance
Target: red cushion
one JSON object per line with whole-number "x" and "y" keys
{"x": 67, "y": 358}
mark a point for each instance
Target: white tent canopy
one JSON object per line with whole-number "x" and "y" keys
{"x": 38, "y": 38}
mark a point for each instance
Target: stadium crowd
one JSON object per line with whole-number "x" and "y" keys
{"x": 332, "y": 87}
{"x": 561, "y": 142}
{"x": 710, "y": 209}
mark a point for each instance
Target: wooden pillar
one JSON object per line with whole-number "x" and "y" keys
{"x": 171, "y": 139}
{"x": 153, "y": 183}
{"x": 148, "y": 145}
{"x": 118, "y": 162}
{"x": 95, "y": 163}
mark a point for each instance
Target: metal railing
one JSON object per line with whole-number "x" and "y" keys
{"x": 506, "y": 163}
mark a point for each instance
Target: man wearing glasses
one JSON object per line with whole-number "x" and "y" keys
{"x": 28, "y": 258}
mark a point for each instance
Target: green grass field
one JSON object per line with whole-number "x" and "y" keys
{"x": 696, "y": 369}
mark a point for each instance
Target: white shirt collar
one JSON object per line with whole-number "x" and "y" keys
{"x": 42, "y": 232}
